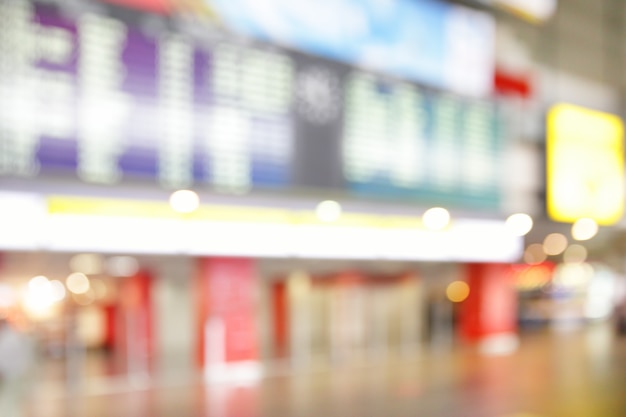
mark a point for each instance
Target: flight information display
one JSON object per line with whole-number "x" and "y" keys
{"x": 111, "y": 95}
{"x": 404, "y": 141}
{"x": 109, "y": 100}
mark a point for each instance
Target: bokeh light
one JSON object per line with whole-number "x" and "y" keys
{"x": 534, "y": 254}
{"x": 457, "y": 291}
{"x": 85, "y": 298}
{"x": 519, "y": 224}
{"x": 38, "y": 298}
{"x": 584, "y": 229}
{"x": 328, "y": 211}
{"x": 575, "y": 254}
{"x": 122, "y": 266}
{"x": 533, "y": 277}
{"x": 39, "y": 284}
{"x": 87, "y": 263}
{"x": 184, "y": 201}
{"x": 554, "y": 244}
{"x": 57, "y": 290}
{"x": 436, "y": 218}
{"x": 78, "y": 283}
{"x": 574, "y": 275}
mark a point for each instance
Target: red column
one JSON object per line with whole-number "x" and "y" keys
{"x": 110, "y": 328}
{"x": 134, "y": 324}
{"x": 280, "y": 316}
{"x": 491, "y": 307}
{"x": 227, "y": 316}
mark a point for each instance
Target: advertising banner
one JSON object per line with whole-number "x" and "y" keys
{"x": 432, "y": 42}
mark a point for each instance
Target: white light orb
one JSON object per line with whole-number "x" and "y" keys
{"x": 436, "y": 218}
{"x": 58, "y": 291}
{"x": 519, "y": 224}
{"x": 184, "y": 201}
{"x": 328, "y": 211}
{"x": 584, "y": 229}
{"x": 39, "y": 284}
{"x": 78, "y": 283}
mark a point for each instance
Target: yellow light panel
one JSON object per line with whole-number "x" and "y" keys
{"x": 154, "y": 209}
{"x": 585, "y": 165}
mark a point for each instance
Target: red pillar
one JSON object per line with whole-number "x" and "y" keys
{"x": 135, "y": 322}
{"x": 280, "y": 315}
{"x": 110, "y": 328}
{"x": 490, "y": 310}
{"x": 227, "y": 333}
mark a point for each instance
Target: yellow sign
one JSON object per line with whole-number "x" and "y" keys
{"x": 111, "y": 207}
{"x": 585, "y": 165}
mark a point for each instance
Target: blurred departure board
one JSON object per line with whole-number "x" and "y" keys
{"x": 111, "y": 95}
{"x": 94, "y": 94}
{"x": 402, "y": 140}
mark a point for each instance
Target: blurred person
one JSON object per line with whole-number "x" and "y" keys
{"x": 16, "y": 359}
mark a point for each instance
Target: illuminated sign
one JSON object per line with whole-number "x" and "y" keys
{"x": 433, "y": 42}
{"x": 585, "y": 165}
{"x": 67, "y": 224}
{"x": 400, "y": 140}
{"x": 104, "y": 98}
{"x": 121, "y": 96}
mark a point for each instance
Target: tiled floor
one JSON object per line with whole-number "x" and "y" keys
{"x": 566, "y": 373}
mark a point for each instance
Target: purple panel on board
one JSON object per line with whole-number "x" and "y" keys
{"x": 57, "y": 153}
{"x": 48, "y": 19}
{"x": 202, "y": 101}
{"x": 140, "y": 60}
{"x": 139, "y": 162}
{"x": 141, "y": 131}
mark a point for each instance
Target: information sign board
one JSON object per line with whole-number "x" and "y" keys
{"x": 119, "y": 96}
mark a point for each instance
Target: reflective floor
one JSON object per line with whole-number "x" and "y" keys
{"x": 558, "y": 373}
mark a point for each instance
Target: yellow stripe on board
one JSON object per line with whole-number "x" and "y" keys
{"x": 152, "y": 209}
{"x": 240, "y": 214}
{"x": 109, "y": 207}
